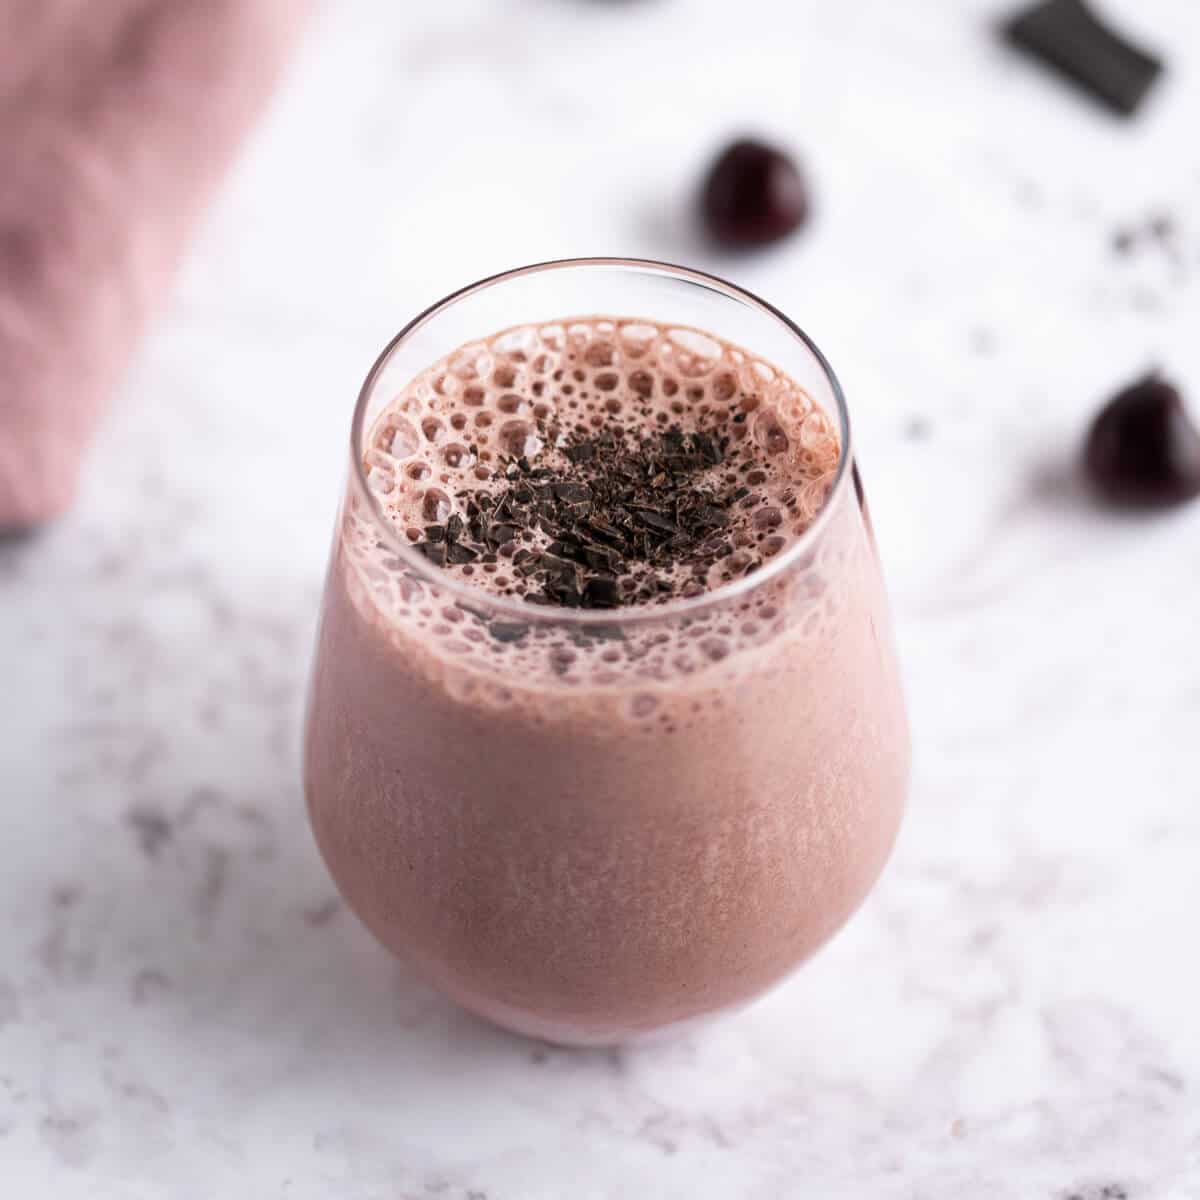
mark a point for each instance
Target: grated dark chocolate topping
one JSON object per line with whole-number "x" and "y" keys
{"x": 623, "y": 520}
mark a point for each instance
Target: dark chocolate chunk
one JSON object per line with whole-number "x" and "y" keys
{"x": 1069, "y": 37}
{"x": 435, "y": 533}
{"x": 563, "y": 590}
{"x": 1143, "y": 449}
{"x": 559, "y": 567}
{"x": 754, "y": 195}
{"x": 573, "y": 493}
{"x": 434, "y": 551}
{"x": 656, "y": 521}
{"x": 600, "y": 558}
{"x": 605, "y": 531}
{"x": 581, "y": 452}
{"x": 457, "y": 554}
{"x": 567, "y": 547}
{"x": 601, "y": 592}
{"x": 708, "y": 449}
{"x": 708, "y": 516}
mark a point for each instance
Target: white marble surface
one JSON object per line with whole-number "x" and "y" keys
{"x": 185, "y": 1010}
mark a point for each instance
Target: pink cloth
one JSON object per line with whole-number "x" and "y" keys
{"x": 117, "y": 119}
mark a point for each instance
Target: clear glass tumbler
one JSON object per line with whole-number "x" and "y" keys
{"x": 588, "y": 825}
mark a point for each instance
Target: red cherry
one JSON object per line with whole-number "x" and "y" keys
{"x": 1143, "y": 449}
{"x": 754, "y": 195}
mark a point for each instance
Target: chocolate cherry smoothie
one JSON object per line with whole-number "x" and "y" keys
{"x": 605, "y": 729}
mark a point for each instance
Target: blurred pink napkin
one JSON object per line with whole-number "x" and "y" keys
{"x": 117, "y": 120}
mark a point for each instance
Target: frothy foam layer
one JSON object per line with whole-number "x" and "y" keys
{"x": 507, "y": 413}
{"x": 469, "y": 428}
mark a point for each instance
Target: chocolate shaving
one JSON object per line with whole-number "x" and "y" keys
{"x": 607, "y": 519}
{"x": 601, "y": 592}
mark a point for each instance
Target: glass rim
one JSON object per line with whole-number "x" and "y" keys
{"x": 521, "y": 610}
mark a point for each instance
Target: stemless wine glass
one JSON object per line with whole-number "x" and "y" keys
{"x": 588, "y": 825}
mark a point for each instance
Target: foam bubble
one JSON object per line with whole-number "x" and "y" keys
{"x": 435, "y": 506}
{"x": 519, "y": 438}
{"x": 769, "y": 432}
{"x": 401, "y": 436}
{"x": 380, "y": 480}
{"x": 599, "y": 354}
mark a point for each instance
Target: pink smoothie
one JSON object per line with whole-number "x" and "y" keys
{"x": 586, "y": 827}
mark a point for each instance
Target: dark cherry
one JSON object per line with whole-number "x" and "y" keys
{"x": 1143, "y": 449}
{"x": 754, "y": 195}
